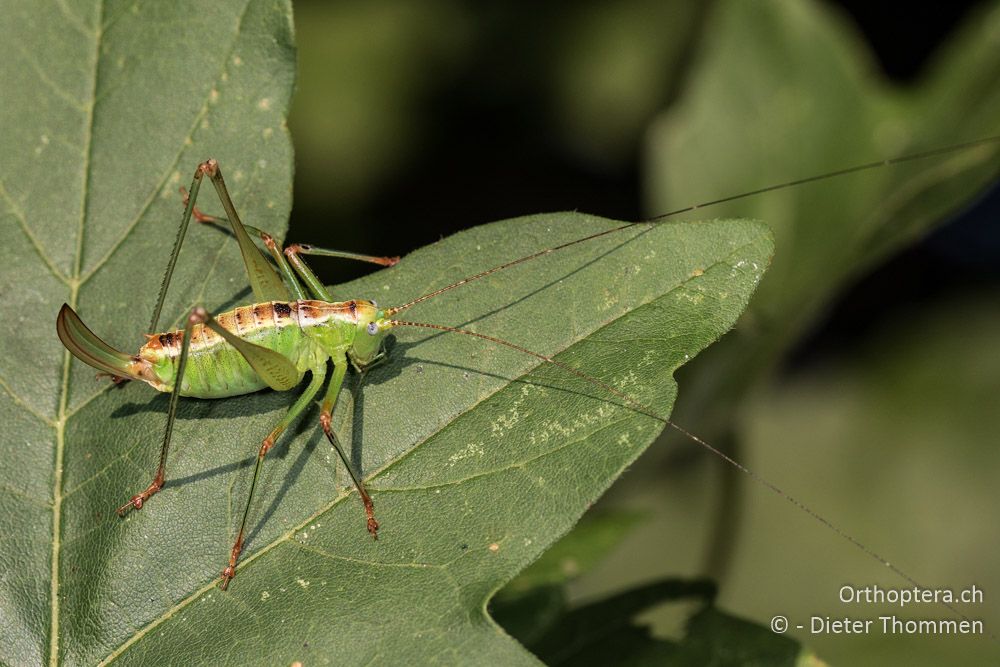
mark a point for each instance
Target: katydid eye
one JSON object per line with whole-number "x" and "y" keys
{"x": 372, "y": 328}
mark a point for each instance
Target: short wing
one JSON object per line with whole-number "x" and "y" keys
{"x": 273, "y": 367}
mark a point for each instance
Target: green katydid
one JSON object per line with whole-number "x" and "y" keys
{"x": 295, "y": 326}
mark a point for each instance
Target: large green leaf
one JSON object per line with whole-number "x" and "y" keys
{"x": 475, "y": 461}
{"x": 477, "y": 458}
{"x": 107, "y": 109}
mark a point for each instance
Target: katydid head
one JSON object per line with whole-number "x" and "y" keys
{"x": 367, "y": 346}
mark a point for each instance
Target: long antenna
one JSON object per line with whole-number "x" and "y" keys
{"x": 496, "y": 269}
{"x": 650, "y": 412}
{"x": 922, "y": 155}
{"x": 911, "y": 157}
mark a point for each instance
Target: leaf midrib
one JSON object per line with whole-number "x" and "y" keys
{"x": 74, "y": 292}
{"x": 75, "y": 283}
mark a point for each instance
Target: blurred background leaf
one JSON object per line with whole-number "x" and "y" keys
{"x": 536, "y": 599}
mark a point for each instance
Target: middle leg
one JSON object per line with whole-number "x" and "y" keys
{"x": 301, "y": 403}
{"x": 325, "y": 419}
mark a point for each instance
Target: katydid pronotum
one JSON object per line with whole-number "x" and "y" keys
{"x": 295, "y": 326}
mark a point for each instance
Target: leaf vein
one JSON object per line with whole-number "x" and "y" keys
{"x": 106, "y": 25}
{"x": 362, "y": 561}
{"x": 18, "y": 214}
{"x": 202, "y": 113}
{"x": 73, "y": 19}
{"x": 513, "y": 465}
{"x": 24, "y": 404}
{"x": 74, "y": 287}
{"x": 39, "y": 71}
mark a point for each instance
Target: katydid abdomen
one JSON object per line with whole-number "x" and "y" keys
{"x": 218, "y": 370}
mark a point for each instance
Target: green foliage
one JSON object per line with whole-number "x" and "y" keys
{"x": 536, "y": 609}
{"x": 593, "y": 73}
{"x": 781, "y": 91}
{"x": 537, "y": 598}
{"x": 477, "y": 458}
{"x": 591, "y": 540}
{"x": 825, "y": 113}
{"x": 605, "y": 632}
{"x": 108, "y": 107}
{"x": 364, "y": 70}
{"x": 913, "y": 409}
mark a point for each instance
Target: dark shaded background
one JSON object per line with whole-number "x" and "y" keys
{"x": 481, "y": 141}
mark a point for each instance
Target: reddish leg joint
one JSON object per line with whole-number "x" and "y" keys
{"x": 209, "y": 167}
{"x": 324, "y": 420}
{"x": 115, "y": 379}
{"x": 234, "y": 556}
{"x": 370, "y": 513}
{"x": 265, "y": 447}
{"x": 137, "y": 500}
{"x": 198, "y": 315}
